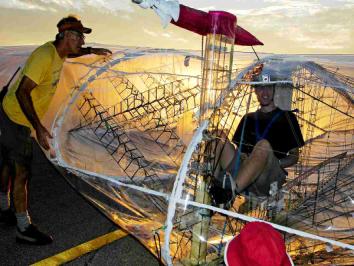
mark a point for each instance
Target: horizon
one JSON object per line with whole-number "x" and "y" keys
{"x": 195, "y": 50}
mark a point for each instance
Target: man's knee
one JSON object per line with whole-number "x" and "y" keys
{"x": 264, "y": 144}
{"x": 22, "y": 172}
{"x": 263, "y": 147}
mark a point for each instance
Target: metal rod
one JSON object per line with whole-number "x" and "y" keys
{"x": 255, "y": 53}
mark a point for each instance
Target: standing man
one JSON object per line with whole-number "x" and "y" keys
{"x": 22, "y": 109}
{"x": 267, "y": 140}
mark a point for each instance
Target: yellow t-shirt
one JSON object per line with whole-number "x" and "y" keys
{"x": 43, "y": 67}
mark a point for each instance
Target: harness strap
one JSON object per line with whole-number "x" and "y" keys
{"x": 6, "y": 87}
{"x": 266, "y": 130}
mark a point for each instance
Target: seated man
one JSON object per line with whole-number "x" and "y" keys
{"x": 268, "y": 140}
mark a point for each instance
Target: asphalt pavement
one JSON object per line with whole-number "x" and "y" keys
{"x": 60, "y": 211}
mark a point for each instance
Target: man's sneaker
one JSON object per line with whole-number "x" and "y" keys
{"x": 33, "y": 236}
{"x": 221, "y": 197}
{"x": 8, "y": 217}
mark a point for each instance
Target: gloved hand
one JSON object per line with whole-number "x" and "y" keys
{"x": 165, "y": 9}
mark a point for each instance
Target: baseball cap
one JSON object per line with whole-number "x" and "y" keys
{"x": 72, "y": 23}
{"x": 258, "y": 244}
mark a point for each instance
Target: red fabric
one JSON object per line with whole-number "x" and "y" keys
{"x": 193, "y": 19}
{"x": 243, "y": 37}
{"x": 222, "y": 23}
{"x": 200, "y": 22}
{"x": 258, "y": 244}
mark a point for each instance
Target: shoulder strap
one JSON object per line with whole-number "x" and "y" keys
{"x": 266, "y": 130}
{"x": 292, "y": 126}
{"x": 6, "y": 87}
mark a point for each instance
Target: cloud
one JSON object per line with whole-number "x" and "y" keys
{"x": 289, "y": 9}
{"x": 331, "y": 37}
{"x": 126, "y": 17}
{"x": 151, "y": 33}
{"x": 181, "y": 40}
{"x": 112, "y": 5}
{"x": 24, "y": 5}
{"x": 330, "y": 29}
{"x": 207, "y": 8}
{"x": 105, "y": 6}
{"x": 167, "y": 35}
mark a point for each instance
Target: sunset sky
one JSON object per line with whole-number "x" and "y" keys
{"x": 312, "y": 26}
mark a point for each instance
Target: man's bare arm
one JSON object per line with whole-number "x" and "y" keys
{"x": 290, "y": 159}
{"x": 91, "y": 50}
{"x": 23, "y": 95}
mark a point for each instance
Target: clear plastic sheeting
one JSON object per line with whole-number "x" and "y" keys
{"x": 127, "y": 137}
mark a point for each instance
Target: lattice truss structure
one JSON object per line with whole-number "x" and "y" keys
{"x": 132, "y": 123}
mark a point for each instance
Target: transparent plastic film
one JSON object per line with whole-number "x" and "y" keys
{"x": 123, "y": 131}
{"x": 218, "y": 58}
{"x": 127, "y": 136}
{"x": 217, "y": 68}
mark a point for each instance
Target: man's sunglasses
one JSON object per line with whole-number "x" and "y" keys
{"x": 78, "y": 34}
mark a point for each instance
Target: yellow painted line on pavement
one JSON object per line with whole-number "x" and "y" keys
{"x": 82, "y": 249}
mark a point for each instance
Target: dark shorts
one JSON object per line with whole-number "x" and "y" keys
{"x": 261, "y": 186}
{"x": 16, "y": 143}
{"x": 273, "y": 172}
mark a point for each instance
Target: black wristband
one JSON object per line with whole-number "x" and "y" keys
{"x": 89, "y": 49}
